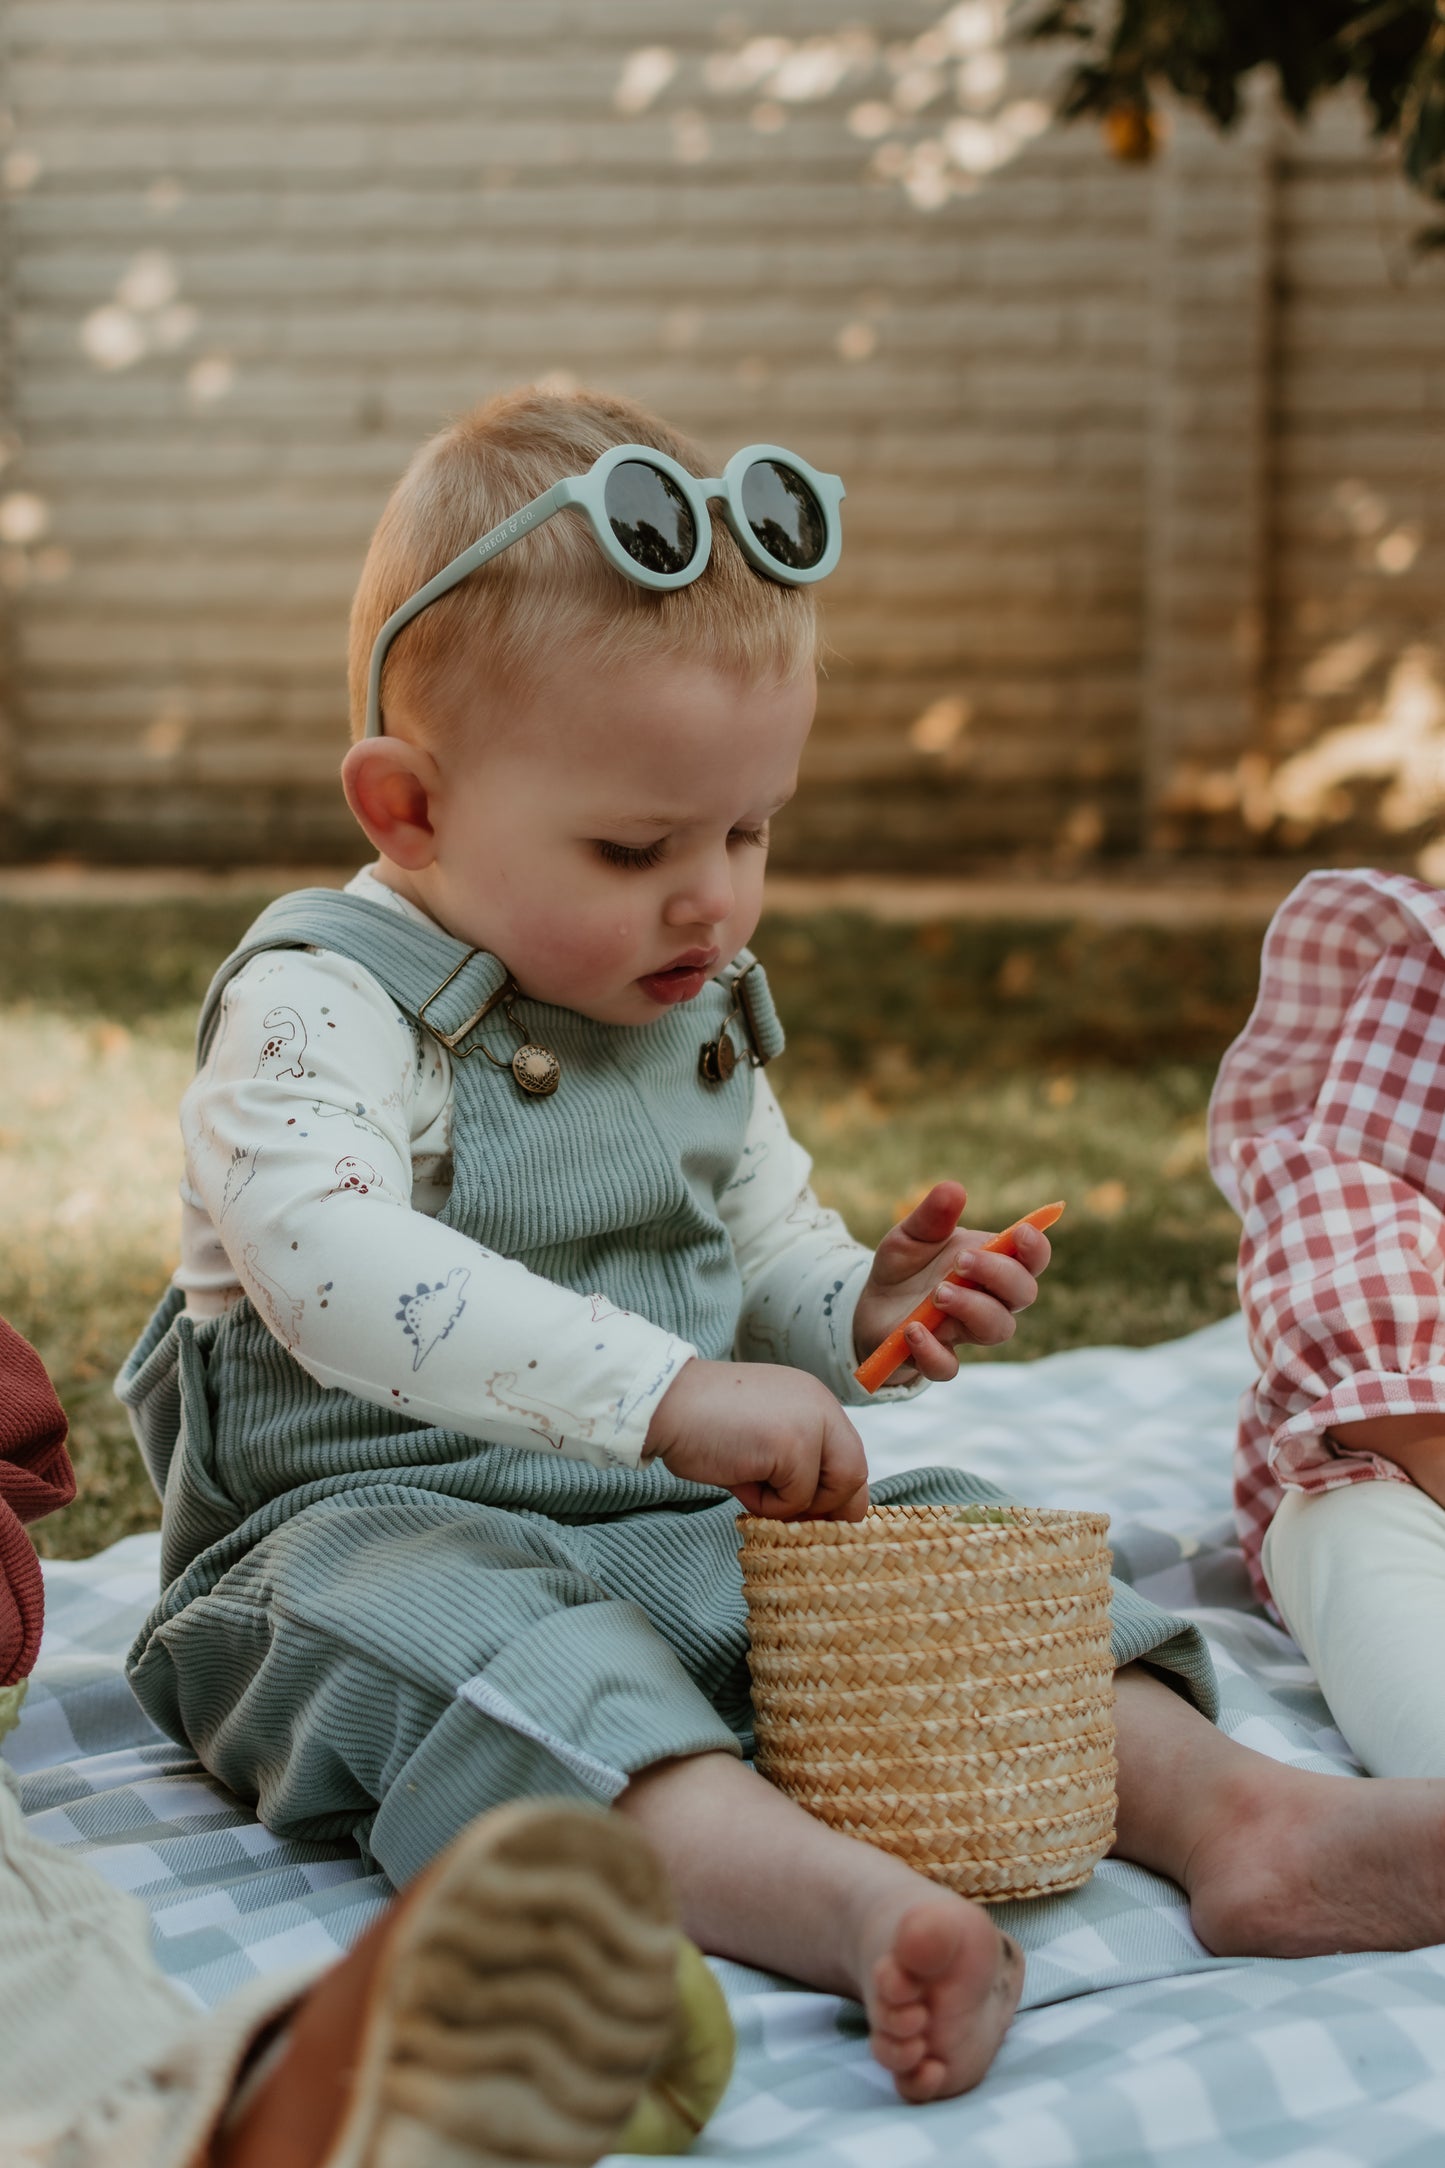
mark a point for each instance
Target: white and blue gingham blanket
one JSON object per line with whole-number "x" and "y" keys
{"x": 1134, "y": 2046}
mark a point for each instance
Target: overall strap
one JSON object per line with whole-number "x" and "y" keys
{"x": 748, "y": 983}
{"x": 435, "y": 979}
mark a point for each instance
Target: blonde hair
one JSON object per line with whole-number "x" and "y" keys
{"x": 554, "y": 589}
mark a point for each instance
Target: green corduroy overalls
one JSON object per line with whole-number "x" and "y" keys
{"x": 375, "y": 1627}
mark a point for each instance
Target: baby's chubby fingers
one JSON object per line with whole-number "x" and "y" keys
{"x": 1028, "y": 1247}
{"x": 931, "y": 1353}
{"x": 1007, "y": 1279}
{"x": 973, "y": 1315}
{"x": 920, "y": 1236}
{"x": 773, "y": 1436}
{"x": 984, "y": 1310}
{"x": 1031, "y": 1247}
{"x": 911, "y": 1270}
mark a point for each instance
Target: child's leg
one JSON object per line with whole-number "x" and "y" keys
{"x": 759, "y": 1880}
{"x": 1275, "y": 1862}
{"x": 1359, "y": 1575}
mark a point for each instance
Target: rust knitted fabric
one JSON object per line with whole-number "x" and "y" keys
{"x": 35, "y": 1478}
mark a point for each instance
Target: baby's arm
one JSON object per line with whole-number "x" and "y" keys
{"x": 815, "y": 1298}
{"x": 802, "y": 1271}
{"x": 299, "y": 1143}
{"x": 1342, "y": 1253}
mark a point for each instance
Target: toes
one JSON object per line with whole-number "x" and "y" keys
{"x": 903, "y": 2021}
{"x": 898, "y": 2056}
{"x": 924, "y": 2083}
{"x": 892, "y": 1985}
{"x": 941, "y": 1998}
{"x": 931, "y": 1938}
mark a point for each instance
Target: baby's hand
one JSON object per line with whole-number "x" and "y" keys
{"x": 911, "y": 1262}
{"x": 774, "y": 1437}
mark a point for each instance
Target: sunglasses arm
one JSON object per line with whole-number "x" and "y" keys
{"x": 471, "y": 559}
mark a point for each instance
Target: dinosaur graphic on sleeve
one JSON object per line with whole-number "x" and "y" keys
{"x": 283, "y": 1312}
{"x": 806, "y": 1211}
{"x": 543, "y": 1417}
{"x": 355, "y": 1114}
{"x": 284, "y": 1051}
{"x": 240, "y": 1174}
{"x": 428, "y": 1314}
{"x": 747, "y": 1168}
{"x": 355, "y": 1177}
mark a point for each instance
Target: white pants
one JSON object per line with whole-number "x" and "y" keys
{"x": 1359, "y": 1577}
{"x": 102, "y": 2063}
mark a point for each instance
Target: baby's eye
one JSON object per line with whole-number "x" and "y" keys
{"x": 756, "y": 836}
{"x": 629, "y": 854}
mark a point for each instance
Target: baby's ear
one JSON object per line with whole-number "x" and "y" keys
{"x": 389, "y": 786}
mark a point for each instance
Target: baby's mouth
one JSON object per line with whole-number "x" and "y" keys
{"x": 685, "y": 976}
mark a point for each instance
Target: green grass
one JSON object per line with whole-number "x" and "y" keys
{"x": 1030, "y": 1061}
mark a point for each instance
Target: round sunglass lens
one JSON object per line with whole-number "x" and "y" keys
{"x": 650, "y": 517}
{"x": 785, "y": 516}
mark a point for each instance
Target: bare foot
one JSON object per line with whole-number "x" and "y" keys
{"x": 1298, "y": 1865}
{"x": 940, "y": 1984}
{"x": 759, "y": 1880}
{"x": 1277, "y": 1862}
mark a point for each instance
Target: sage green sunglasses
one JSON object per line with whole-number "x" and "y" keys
{"x": 653, "y": 522}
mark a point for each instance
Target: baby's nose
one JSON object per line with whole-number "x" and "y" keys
{"x": 706, "y": 901}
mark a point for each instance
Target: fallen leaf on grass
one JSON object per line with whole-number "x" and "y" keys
{"x": 1106, "y": 1200}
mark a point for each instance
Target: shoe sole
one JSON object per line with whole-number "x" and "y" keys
{"x": 526, "y": 1995}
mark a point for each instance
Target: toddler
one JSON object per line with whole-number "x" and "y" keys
{"x": 502, "y": 1284}
{"x": 1326, "y": 1135}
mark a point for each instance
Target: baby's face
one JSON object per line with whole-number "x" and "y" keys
{"x": 609, "y": 842}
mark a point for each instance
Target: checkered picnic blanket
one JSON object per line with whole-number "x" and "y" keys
{"x": 1134, "y": 2045}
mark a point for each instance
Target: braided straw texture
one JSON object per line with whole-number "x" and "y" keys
{"x": 937, "y": 1680}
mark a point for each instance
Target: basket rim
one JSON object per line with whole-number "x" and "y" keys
{"x": 902, "y": 1523}
{"x": 771, "y": 1569}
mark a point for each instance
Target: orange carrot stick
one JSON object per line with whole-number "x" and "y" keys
{"x": 890, "y": 1353}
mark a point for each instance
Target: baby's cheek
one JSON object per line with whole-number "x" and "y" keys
{"x": 581, "y": 950}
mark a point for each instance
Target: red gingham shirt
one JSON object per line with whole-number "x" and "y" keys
{"x": 1325, "y": 1133}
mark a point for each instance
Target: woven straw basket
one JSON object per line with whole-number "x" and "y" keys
{"x": 937, "y": 1681}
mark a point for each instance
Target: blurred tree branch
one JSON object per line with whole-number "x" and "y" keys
{"x": 1201, "y": 50}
